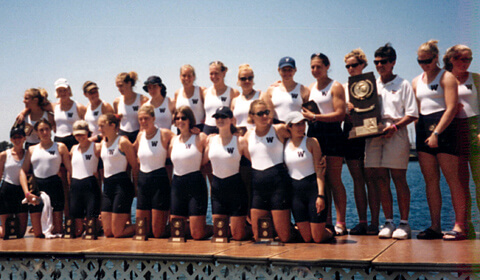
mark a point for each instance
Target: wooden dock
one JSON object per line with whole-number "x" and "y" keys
{"x": 362, "y": 256}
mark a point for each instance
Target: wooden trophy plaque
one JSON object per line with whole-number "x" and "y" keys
{"x": 69, "y": 231}
{"x": 265, "y": 230}
{"x": 141, "y": 230}
{"x": 12, "y": 228}
{"x": 91, "y": 229}
{"x": 220, "y": 230}
{"x": 366, "y": 114}
{"x": 177, "y": 230}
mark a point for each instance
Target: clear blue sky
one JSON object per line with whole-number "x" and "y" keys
{"x": 95, "y": 40}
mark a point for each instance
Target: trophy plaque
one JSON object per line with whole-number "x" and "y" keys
{"x": 141, "y": 230}
{"x": 69, "y": 231}
{"x": 91, "y": 229}
{"x": 220, "y": 230}
{"x": 177, "y": 230}
{"x": 265, "y": 230}
{"x": 12, "y": 228}
{"x": 366, "y": 118}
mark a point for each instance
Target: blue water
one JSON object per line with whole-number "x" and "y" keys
{"x": 419, "y": 213}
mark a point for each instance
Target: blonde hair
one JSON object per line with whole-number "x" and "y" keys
{"x": 220, "y": 65}
{"x": 359, "y": 55}
{"x": 430, "y": 47}
{"x": 147, "y": 109}
{"x": 451, "y": 53}
{"x": 130, "y": 77}
{"x": 251, "y": 110}
{"x": 244, "y": 67}
{"x": 190, "y": 67}
{"x": 41, "y": 94}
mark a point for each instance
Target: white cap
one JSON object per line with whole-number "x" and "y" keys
{"x": 294, "y": 117}
{"x": 62, "y": 82}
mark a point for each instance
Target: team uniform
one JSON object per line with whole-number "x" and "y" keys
{"x": 286, "y": 102}
{"x": 11, "y": 193}
{"x": 189, "y": 195}
{"x": 32, "y": 138}
{"x": 212, "y": 103}
{"x": 46, "y": 165}
{"x": 64, "y": 125}
{"x": 85, "y": 194}
{"x": 91, "y": 117}
{"x": 118, "y": 189}
{"x": 329, "y": 134}
{"x": 229, "y": 195}
{"x": 153, "y": 188}
{"x": 163, "y": 116}
{"x": 271, "y": 188}
{"x": 432, "y": 106}
{"x": 242, "y": 107}
{"x": 397, "y": 100}
{"x": 195, "y": 103}
{"x": 301, "y": 169}
{"x": 354, "y": 148}
{"x": 129, "y": 125}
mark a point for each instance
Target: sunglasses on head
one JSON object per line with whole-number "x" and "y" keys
{"x": 262, "y": 113}
{"x": 353, "y": 65}
{"x": 382, "y": 61}
{"x": 221, "y": 117}
{"x": 425, "y": 61}
{"x": 183, "y": 118}
{"x": 243, "y": 79}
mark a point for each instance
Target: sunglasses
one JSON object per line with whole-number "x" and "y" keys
{"x": 221, "y": 117}
{"x": 425, "y": 61}
{"x": 244, "y": 79}
{"x": 262, "y": 113}
{"x": 354, "y": 65}
{"x": 382, "y": 61}
{"x": 183, "y": 118}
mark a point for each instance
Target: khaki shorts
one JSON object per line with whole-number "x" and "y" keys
{"x": 391, "y": 152}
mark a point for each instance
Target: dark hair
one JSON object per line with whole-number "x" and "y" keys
{"x": 111, "y": 119}
{"x": 41, "y": 94}
{"x": 187, "y": 111}
{"x": 130, "y": 77}
{"x": 35, "y": 127}
{"x": 322, "y": 57}
{"x": 386, "y": 51}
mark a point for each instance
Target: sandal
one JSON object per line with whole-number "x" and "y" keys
{"x": 372, "y": 230}
{"x": 340, "y": 231}
{"x": 454, "y": 236}
{"x": 429, "y": 234}
{"x": 359, "y": 229}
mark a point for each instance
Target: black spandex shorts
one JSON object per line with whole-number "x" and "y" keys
{"x": 447, "y": 140}
{"x": 354, "y": 148}
{"x": 53, "y": 187}
{"x": 330, "y": 136}
{"x": 85, "y": 198}
{"x": 118, "y": 193}
{"x": 189, "y": 195}
{"x": 208, "y": 129}
{"x": 69, "y": 141}
{"x": 271, "y": 188}
{"x": 229, "y": 196}
{"x": 304, "y": 208}
{"x": 132, "y": 136}
{"x": 11, "y": 197}
{"x": 153, "y": 190}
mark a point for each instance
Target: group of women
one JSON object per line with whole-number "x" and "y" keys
{"x": 263, "y": 153}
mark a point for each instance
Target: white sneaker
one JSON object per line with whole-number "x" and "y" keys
{"x": 402, "y": 232}
{"x": 387, "y": 230}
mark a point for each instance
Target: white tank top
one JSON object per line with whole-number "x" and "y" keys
{"x": 213, "y": 102}
{"x": 242, "y": 106}
{"x": 225, "y": 159}
{"x": 114, "y": 161}
{"x": 468, "y": 96}
{"x": 299, "y": 160}
{"x": 11, "y": 169}
{"x": 33, "y": 137}
{"x": 163, "y": 116}
{"x": 195, "y": 103}
{"x": 64, "y": 120}
{"x": 186, "y": 158}
{"x": 84, "y": 165}
{"x": 151, "y": 153}
{"x": 129, "y": 122}
{"x": 91, "y": 117}
{"x": 286, "y": 102}
{"x": 431, "y": 97}
{"x": 265, "y": 151}
{"x": 46, "y": 163}
{"x": 323, "y": 98}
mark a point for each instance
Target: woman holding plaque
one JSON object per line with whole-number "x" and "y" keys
{"x": 329, "y": 97}
{"x": 437, "y": 95}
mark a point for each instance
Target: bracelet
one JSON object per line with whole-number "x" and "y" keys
{"x": 314, "y": 117}
{"x": 27, "y": 194}
{"x": 395, "y": 126}
{"x": 321, "y": 196}
{"x": 436, "y": 133}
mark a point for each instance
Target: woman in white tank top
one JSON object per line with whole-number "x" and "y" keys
{"x": 436, "y": 155}
{"x": 241, "y": 104}
{"x": 191, "y": 95}
{"x": 163, "y": 105}
{"x": 95, "y": 108}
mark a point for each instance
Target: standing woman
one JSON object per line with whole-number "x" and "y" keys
{"x": 36, "y": 108}
{"x": 127, "y": 104}
{"x": 241, "y": 104}
{"x": 11, "y": 193}
{"x": 457, "y": 60}
{"x": 191, "y": 95}
{"x": 95, "y": 108}
{"x": 229, "y": 195}
{"x": 216, "y": 96}
{"x": 45, "y": 158}
{"x": 355, "y": 62}
{"x": 326, "y": 127}
{"x": 189, "y": 196}
{"x": 85, "y": 193}
{"x": 271, "y": 189}
{"x": 287, "y": 96}
{"x": 309, "y": 203}
{"x": 153, "y": 185}
{"x": 437, "y": 95}
{"x": 118, "y": 190}
{"x": 163, "y": 105}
